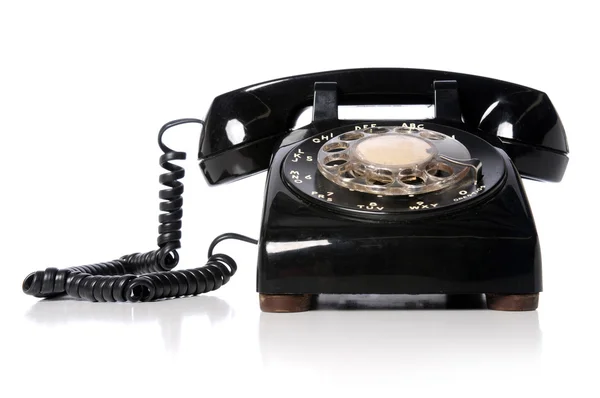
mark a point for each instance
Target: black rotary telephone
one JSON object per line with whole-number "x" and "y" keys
{"x": 359, "y": 207}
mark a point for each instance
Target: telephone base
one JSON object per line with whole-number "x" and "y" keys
{"x": 285, "y": 303}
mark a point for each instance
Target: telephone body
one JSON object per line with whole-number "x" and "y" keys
{"x": 373, "y": 207}
{"x": 320, "y": 237}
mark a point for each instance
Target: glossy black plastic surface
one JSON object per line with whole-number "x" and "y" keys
{"x": 486, "y": 246}
{"x": 243, "y": 126}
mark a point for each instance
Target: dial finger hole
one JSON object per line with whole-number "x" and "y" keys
{"x": 335, "y": 160}
{"x": 412, "y": 180}
{"x": 431, "y": 135}
{"x": 439, "y": 170}
{"x": 376, "y": 130}
{"x": 352, "y": 171}
{"x": 351, "y": 136}
{"x": 335, "y": 147}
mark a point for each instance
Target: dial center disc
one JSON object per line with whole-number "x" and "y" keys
{"x": 395, "y": 150}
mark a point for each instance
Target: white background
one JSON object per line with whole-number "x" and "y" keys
{"x": 83, "y": 90}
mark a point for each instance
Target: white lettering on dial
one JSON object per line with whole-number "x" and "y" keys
{"x": 464, "y": 194}
{"x": 371, "y": 206}
{"x": 296, "y": 176}
{"x": 365, "y": 126}
{"x": 412, "y": 126}
{"x": 422, "y": 205}
{"x": 324, "y": 137}
{"x": 298, "y": 155}
{"x": 325, "y": 197}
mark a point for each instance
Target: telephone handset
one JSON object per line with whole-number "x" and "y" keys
{"x": 525, "y": 120}
{"x": 355, "y": 206}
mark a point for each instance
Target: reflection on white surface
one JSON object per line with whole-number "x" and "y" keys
{"x": 420, "y": 337}
{"x": 169, "y": 314}
{"x": 401, "y": 340}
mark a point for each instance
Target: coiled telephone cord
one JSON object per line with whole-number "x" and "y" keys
{"x": 145, "y": 276}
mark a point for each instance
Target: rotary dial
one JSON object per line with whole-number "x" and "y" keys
{"x": 381, "y": 170}
{"x": 395, "y": 160}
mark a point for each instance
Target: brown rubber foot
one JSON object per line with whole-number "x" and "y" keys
{"x": 512, "y": 302}
{"x": 286, "y": 302}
